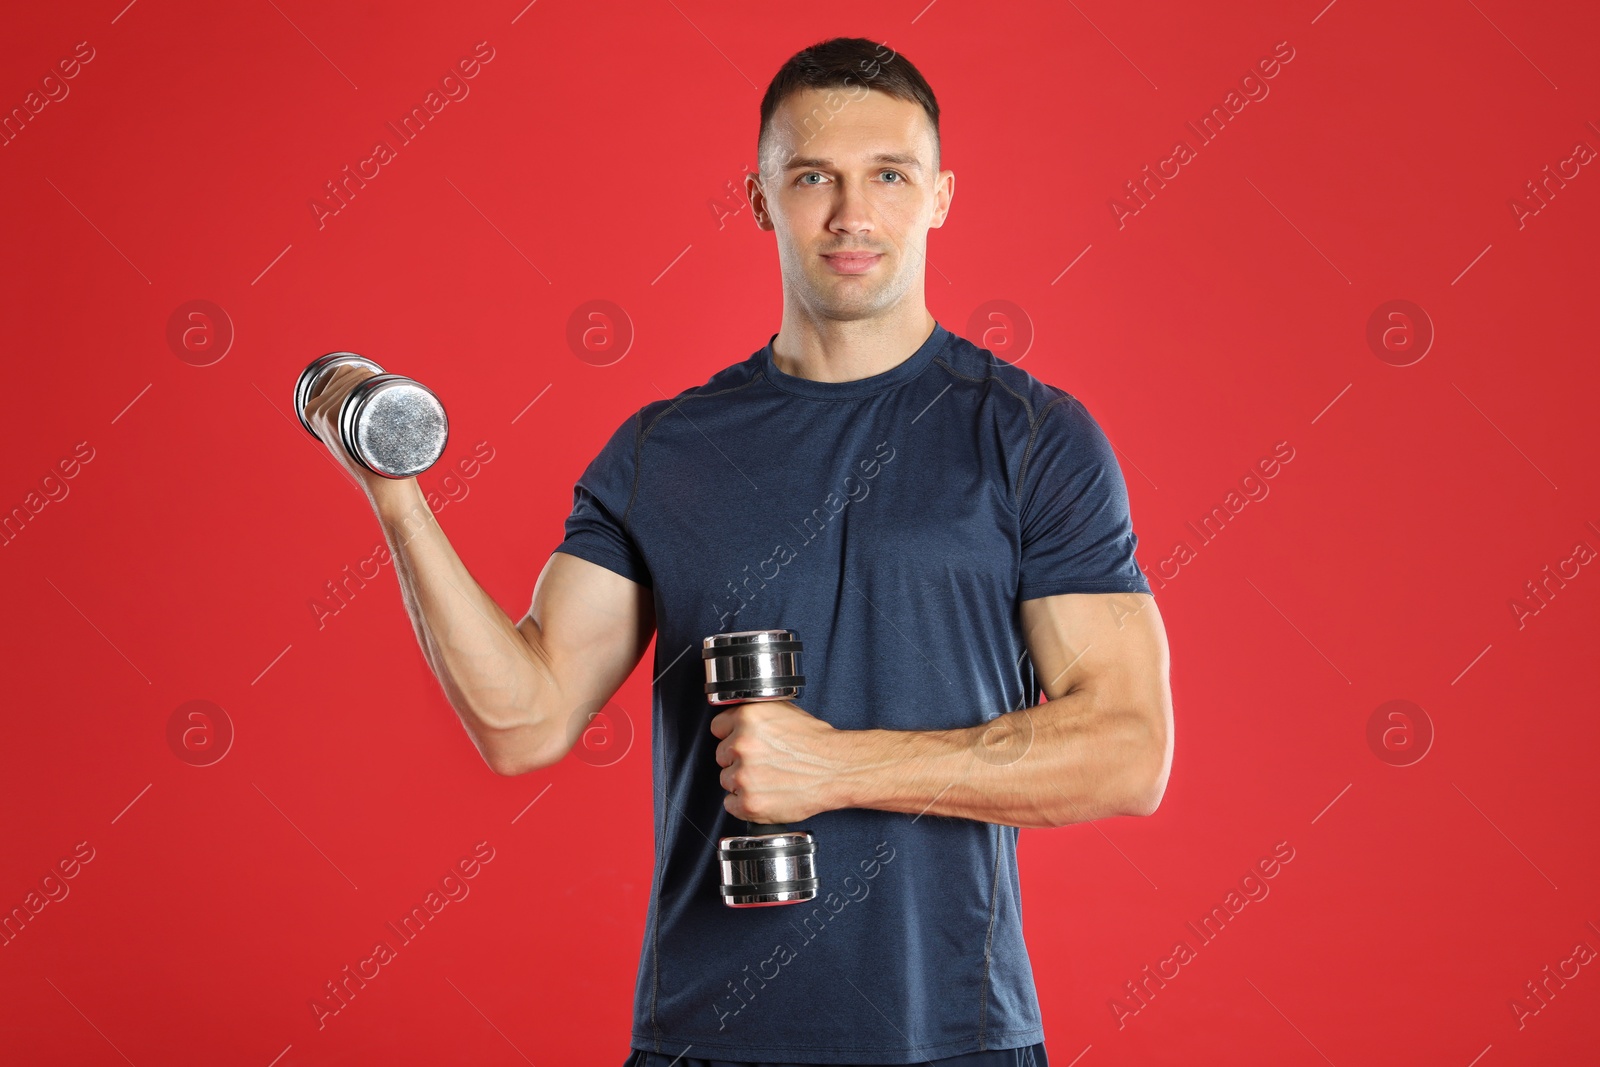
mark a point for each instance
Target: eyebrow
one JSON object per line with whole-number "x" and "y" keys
{"x": 899, "y": 158}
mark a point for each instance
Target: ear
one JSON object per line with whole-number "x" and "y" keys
{"x": 758, "y": 201}
{"x": 944, "y": 192}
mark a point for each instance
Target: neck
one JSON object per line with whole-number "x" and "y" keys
{"x": 844, "y": 350}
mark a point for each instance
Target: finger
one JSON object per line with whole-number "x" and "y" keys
{"x": 324, "y": 382}
{"x": 325, "y": 402}
{"x": 336, "y": 386}
{"x": 319, "y": 386}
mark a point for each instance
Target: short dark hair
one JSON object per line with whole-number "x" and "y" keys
{"x": 846, "y": 62}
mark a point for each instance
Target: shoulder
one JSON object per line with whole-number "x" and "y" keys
{"x": 635, "y": 433}
{"x": 1046, "y": 431}
{"x": 1026, "y": 399}
{"x": 733, "y": 378}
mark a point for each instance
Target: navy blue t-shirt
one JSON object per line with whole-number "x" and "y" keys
{"x": 895, "y": 523}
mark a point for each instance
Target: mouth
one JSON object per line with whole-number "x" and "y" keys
{"x": 853, "y": 262}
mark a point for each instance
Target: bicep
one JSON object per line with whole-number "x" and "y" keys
{"x": 1111, "y": 650}
{"x": 1113, "y": 642}
{"x": 589, "y": 626}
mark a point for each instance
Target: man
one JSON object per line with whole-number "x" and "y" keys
{"x": 948, "y": 536}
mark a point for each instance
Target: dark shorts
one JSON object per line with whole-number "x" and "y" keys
{"x": 1027, "y": 1056}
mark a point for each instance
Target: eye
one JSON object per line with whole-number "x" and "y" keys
{"x": 801, "y": 180}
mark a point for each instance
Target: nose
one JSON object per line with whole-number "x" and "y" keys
{"x": 855, "y": 211}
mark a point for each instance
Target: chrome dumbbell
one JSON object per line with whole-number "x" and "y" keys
{"x": 390, "y": 424}
{"x": 770, "y": 863}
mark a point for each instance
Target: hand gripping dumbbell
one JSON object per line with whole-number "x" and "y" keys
{"x": 389, "y": 424}
{"x": 770, "y": 863}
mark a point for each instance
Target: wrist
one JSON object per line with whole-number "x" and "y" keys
{"x": 399, "y": 503}
{"x": 846, "y": 750}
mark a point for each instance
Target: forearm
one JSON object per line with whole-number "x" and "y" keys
{"x": 491, "y": 674}
{"x": 1071, "y": 759}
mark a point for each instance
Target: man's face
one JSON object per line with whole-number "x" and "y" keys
{"x": 850, "y": 171}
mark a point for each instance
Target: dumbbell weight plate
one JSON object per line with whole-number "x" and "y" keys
{"x": 763, "y": 869}
{"x": 752, "y": 665}
{"x": 319, "y": 369}
{"x": 393, "y": 425}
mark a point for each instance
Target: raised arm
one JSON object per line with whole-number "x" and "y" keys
{"x": 523, "y": 691}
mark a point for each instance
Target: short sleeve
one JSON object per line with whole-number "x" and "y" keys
{"x": 597, "y": 528}
{"x": 1077, "y": 532}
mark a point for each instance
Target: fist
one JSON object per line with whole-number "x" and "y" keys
{"x": 777, "y": 759}
{"x": 322, "y": 412}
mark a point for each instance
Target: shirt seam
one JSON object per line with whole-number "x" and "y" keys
{"x": 1118, "y": 585}
{"x": 1034, "y": 422}
{"x": 655, "y": 937}
{"x": 586, "y": 550}
{"x": 988, "y": 942}
{"x": 642, "y": 433}
{"x": 1033, "y": 434}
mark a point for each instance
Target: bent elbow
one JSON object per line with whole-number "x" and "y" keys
{"x": 1151, "y": 786}
{"x": 1146, "y": 803}
{"x": 1147, "y": 797}
{"x": 517, "y": 747}
{"x": 507, "y": 768}
{"x": 510, "y": 761}
{"x": 512, "y": 764}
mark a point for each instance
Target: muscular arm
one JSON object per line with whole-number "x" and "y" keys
{"x": 521, "y": 690}
{"x": 1100, "y": 745}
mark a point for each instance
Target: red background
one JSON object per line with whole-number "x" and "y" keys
{"x": 591, "y": 161}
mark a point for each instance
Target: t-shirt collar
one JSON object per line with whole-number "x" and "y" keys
{"x": 903, "y": 371}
